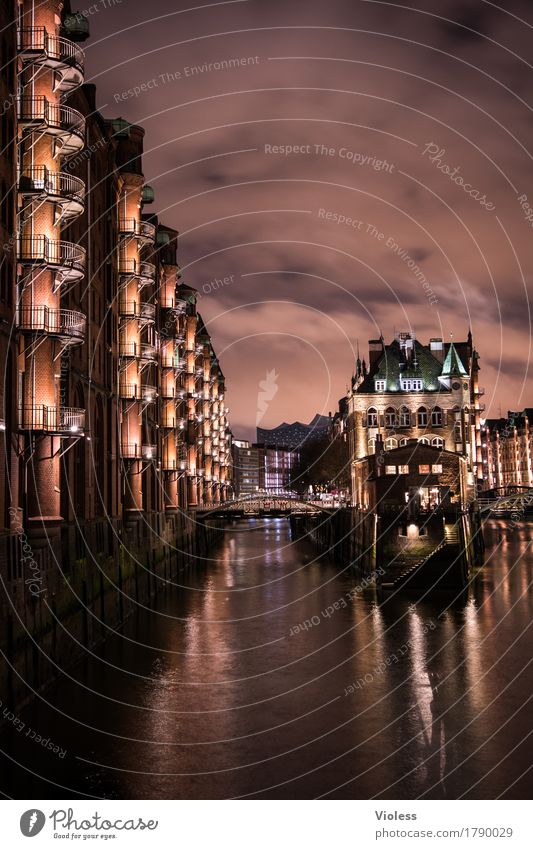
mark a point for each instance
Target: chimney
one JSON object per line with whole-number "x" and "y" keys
{"x": 437, "y": 349}
{"x": 375, "y": 350}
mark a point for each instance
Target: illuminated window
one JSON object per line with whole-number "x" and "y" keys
{"x": 423, "y": 470}
{"x": 403, "y": 470}
{"x": 391, "y": 443}
{"x": 405, "y": 417}
{"x": 436, "y": 469}
{"x": 390, "y": 470}
{"x": 436, "y": 417}
{"x": 390, "y": 417}
{"x": 422, "y": 417}
{"x": 380, "y": 385}
{"x": 411, "y": 384}
{"x": 372, "y": 417}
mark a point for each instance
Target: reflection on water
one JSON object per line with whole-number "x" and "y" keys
{"x": 265, "y": 674}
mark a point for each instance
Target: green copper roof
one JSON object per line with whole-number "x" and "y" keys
{"x": 452, "y": 363}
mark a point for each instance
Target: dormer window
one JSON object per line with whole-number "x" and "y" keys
{"x": 411, "y": 384}
{"x": 380, "y": 385}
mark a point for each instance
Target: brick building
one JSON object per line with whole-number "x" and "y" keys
{"x": 113, "y": 398}
{"x": 507, "y": 451}
{"x": 413, "y": 391}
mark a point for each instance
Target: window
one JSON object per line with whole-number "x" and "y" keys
{"x": 390, "y": 470}
{"x": 436, "y": 469}
{"x": 436, "y": 417}
{"x": 403, "y": 441}
{"x": 403, "y": 470}
{"x": 372, "y": 446}
{"x": 391, "y": 443}
{"x": 372, "y": 417}
{"x": 423, "y": 470}
{"x": 409, "y": 384}
{"x": 405, "y": 417}
{"x": 380, "y": 385}
{"x": 424, "y": 440}
{"x": 458, "y": 431}
{"x": 438, "y": 442}
{"x": 390, "y": 417}
{"x": 422, "y": 417}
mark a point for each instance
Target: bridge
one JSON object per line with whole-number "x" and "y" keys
{"x": 258, "y": 504}
{"x": 517, "y": 500}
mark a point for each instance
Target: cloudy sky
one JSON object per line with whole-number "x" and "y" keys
{"x": 336, "y": 170}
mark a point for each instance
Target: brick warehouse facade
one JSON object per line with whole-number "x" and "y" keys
{"x": 507, "y": 449}
{"x": 113, "y": 400}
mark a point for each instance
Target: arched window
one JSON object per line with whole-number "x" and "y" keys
{"x": 405, "y": 417}
{"x": 372, "y": 445}
{"x": 436, "y": 417}
{"x": 422, "y": 417}
{"x": 391, "y": 443}
{"x": 403, "y": 441}
{"x": 371, "y": 417}
{"x": 437, "y": 442}
{"x": 390, "y": 417}
{"x": 424, "y": 440}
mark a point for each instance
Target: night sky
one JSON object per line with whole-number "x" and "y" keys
{"x": 391, "y": 105}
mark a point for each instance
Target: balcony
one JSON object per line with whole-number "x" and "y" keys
{"x": 148, "y": 313}
{"x": 169, "y": 464}
{"x": 168, "y": 391}
{"x": 127, "y": 227}
{"x": 67, "y": 125}
{"x": 180, "y": 305}
{"x": 65, "y": 258}
{"x": 54, "y": 420}
{"x": 128, "y": 309}
{"x": 148, "y": 353}
{"x": 67, "y": 191}
{"x": 67, "y": 324}
{"x": 129, "y": 391}
{"x": 168, "y": 418}
{"x": 130, "y": 451}
{"x": 146, "y": 233}
{"x": 149, "y": 393}
{"x": 147, "y": 273}
{"x": 128, "y": 350}
{"x": 134, "y": 451}
{"x": 128, "y": 267}
{"x": 59, "y": 54}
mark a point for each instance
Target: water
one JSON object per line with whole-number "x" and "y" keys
{"x": 210, "y": 695}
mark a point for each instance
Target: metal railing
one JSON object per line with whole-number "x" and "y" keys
{"x": 53, "y": 183}
{"x": 147, "y": 231}
{"x": 128, "y": 349}
{"x": 149, "y": 393}
{"x": 127, "y": 226}
{"x": 128, "y": 266}
{"x": 130, "y": 451}
{"x": 147, "y": 270}
{"x": 168, "y": 391}
{"x": 148, "y": 311}
{"x": 52, "y": 419}
{"x": 130, "y": 391}
{"x": 53, "y": 116}
{"x": 128, "y": 309}
{"x": 54, "y": 48}
{"x": 148, "y": 353}
{"x": 58, "y": 322}
{"x": 66, "y": 255}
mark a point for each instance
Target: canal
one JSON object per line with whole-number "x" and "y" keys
{"x": 270, "y": 673}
